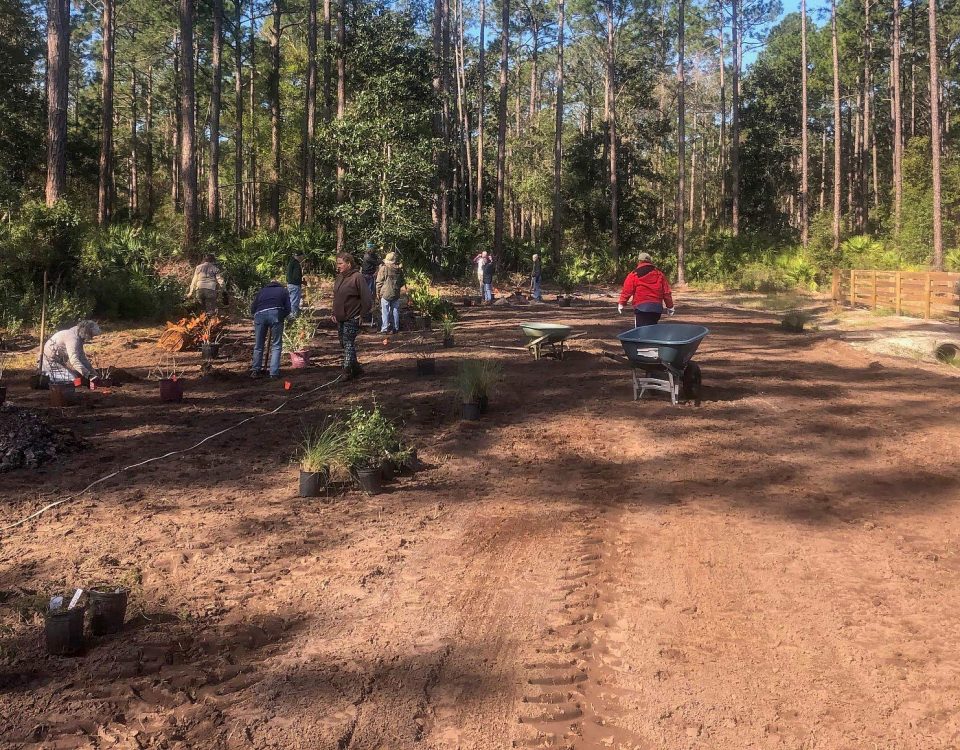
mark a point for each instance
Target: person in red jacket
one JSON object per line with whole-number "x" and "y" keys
{"x": 648, "y": 287}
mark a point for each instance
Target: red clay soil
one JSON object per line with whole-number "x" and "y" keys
{"x": 777, "y": 568}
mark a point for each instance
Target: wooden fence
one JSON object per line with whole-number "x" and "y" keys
{"x": 919, "y": 294}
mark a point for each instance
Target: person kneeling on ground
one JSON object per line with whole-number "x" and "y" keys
{"x": 389, "y": 283}
{"x": 351, "y": 302}
{"x": 207, "y": 281}
{"x": 650, "y": 290}
{"x": 270, "y": 309}
{"x": 63, "y": 355}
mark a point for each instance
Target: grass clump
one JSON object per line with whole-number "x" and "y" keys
{"x": 323, "y": 447}
{"x": 794, "y": 321}
{"x": 476, "y": 379}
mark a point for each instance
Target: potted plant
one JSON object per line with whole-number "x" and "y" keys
{"x": 426, "y": 364}
{"x": 475, "y": 381}
{"x": 108, "y": 608}
{"x": 297, "y": 335}
{"x": 168, "y": 374}
{"x": 447, "y": 326}
{"x": 794, "y": 321}
{"x": 322, "y": 449}
{"x": 370, "y": 436}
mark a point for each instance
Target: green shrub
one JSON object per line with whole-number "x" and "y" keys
{"x": 371, "y": 438}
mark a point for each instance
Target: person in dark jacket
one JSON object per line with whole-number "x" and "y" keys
{"x": 295, "y": 282}
{"x": 270, "y": 309}
{"x": 488, "y": 268}
{"x": 650, "y": 291}
{"x": 351, "y": 302}
{"x": 368, "y": 269}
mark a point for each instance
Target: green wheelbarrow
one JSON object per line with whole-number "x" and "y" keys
{"x": 544, "y": 338}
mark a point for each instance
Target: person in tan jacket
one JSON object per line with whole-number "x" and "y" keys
{"x": 207, "y": 281}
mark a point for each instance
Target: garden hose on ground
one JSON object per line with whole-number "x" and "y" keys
{"x": 102, "y": 479}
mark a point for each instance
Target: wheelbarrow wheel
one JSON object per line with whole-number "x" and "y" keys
{"x": 690, "y": 383}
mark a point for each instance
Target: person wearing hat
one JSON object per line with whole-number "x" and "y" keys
{"x": 650, "y": 291}
{"x": 536, "y": 274}
{"x": 207, "y": 281}
{"x": 389, "y": 283}
{"x": 295, "y": 282}
{"x": 63, "y": 356}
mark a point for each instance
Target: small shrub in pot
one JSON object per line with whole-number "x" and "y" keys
{"x": 370, "y": 438}
{"x": 447, "y": 326}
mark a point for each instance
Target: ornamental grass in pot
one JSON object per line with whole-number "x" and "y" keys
{"x": 447, "y": 326}
{"x": 476, "y": 379}
{"x": 322, "y": 449}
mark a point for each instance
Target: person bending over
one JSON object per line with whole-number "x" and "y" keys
{"x": 650, "y": 291}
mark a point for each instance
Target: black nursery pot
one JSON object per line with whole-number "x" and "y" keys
{"x": 210, "y": 351}
{"x": 424, "y": 323}
{"x": 370, "y": 480}
{"x": 108, "y": 608}
{"x": 426, "y": 366}
{"x": 448, "y": 342}
{"x": 3, "y": 393}
{"x": 471, "y": 410}
{"x": 39, "y": 382}
{"x": 64, "y": 631}
{"x": 388, "y": 470}
{"x": 312, "y": 483}
{"x": 563, "y": 301}
{"x": 483, "y": 402}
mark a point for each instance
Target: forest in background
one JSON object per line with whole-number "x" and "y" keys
{"x": 136, "y": 136}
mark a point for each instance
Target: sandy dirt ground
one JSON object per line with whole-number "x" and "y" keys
{"x": 776, "y": 568}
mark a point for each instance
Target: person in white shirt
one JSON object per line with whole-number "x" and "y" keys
{"x": 63, "y": 356}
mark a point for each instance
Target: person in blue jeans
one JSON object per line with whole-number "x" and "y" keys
{"x": 488, "y": 269}
{"x": 389, "y": 283}
{"x": 295, "y": 282}
{"x": 536, "y": 276}
{"x": 270, "y": 309}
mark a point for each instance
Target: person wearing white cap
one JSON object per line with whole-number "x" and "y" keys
{"x": 63, "y": 356}
{"x": 390, "y": 282}
{"x": 650, "y": 291}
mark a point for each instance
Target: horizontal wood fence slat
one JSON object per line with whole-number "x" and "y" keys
{"x": 917, "y": 293}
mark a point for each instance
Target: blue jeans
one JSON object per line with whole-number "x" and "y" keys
{"x": 487, "y": 292}
{"x": 536, "y": 287}
{"x": 263, "y": 321}
{"x": 296, "y": 296}
{"x": 389, "y": 314}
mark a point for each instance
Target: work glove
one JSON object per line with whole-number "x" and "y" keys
{"x": 670, "y": 311}
{"x": 620, "y": 309}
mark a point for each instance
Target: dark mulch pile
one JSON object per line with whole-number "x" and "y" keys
{"x": 27, "y": 440}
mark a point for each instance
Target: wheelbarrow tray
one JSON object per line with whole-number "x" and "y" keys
{"x": 554, "y": 332}
{"x": 541, "y": 335}
{"x": 663, "y": 352}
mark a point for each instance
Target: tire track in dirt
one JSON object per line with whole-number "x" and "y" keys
{"x": 572, "y": 701}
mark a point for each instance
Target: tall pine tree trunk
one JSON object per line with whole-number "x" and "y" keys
{"x": 804, "y": 134}
{"x": 735, "y": 124}
{"x": 188, "y": 163}
{"x": 134, "y": 180}
{"x": 498, "y": 223}
{"x": 722, "y": 148}
{"x": 865, "y": 139}
{"x": 58, "y": 83}
{"x": 213, "y": 171}
{"x": 681, "y": 145}
{"x": 341, "y": 111}
{"x": 148, "y": 145}
{"x": 897, "y": 115}
{"x": 935, "y": 137}
{"x": 105, "y": 181}
{"x": 253, "y": 184}
{"x": 612, "y": 133}
{"x": 558, "y": 142}
{"x": 274, "y": 86}
{"x": 837, "y": 128}
{"x": 481, "y": 102}
{"x": 310, "y": 118}
{"x": 238, "y": 119}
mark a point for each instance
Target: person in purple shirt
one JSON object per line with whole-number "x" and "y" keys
{"x": 270, "y": 309}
